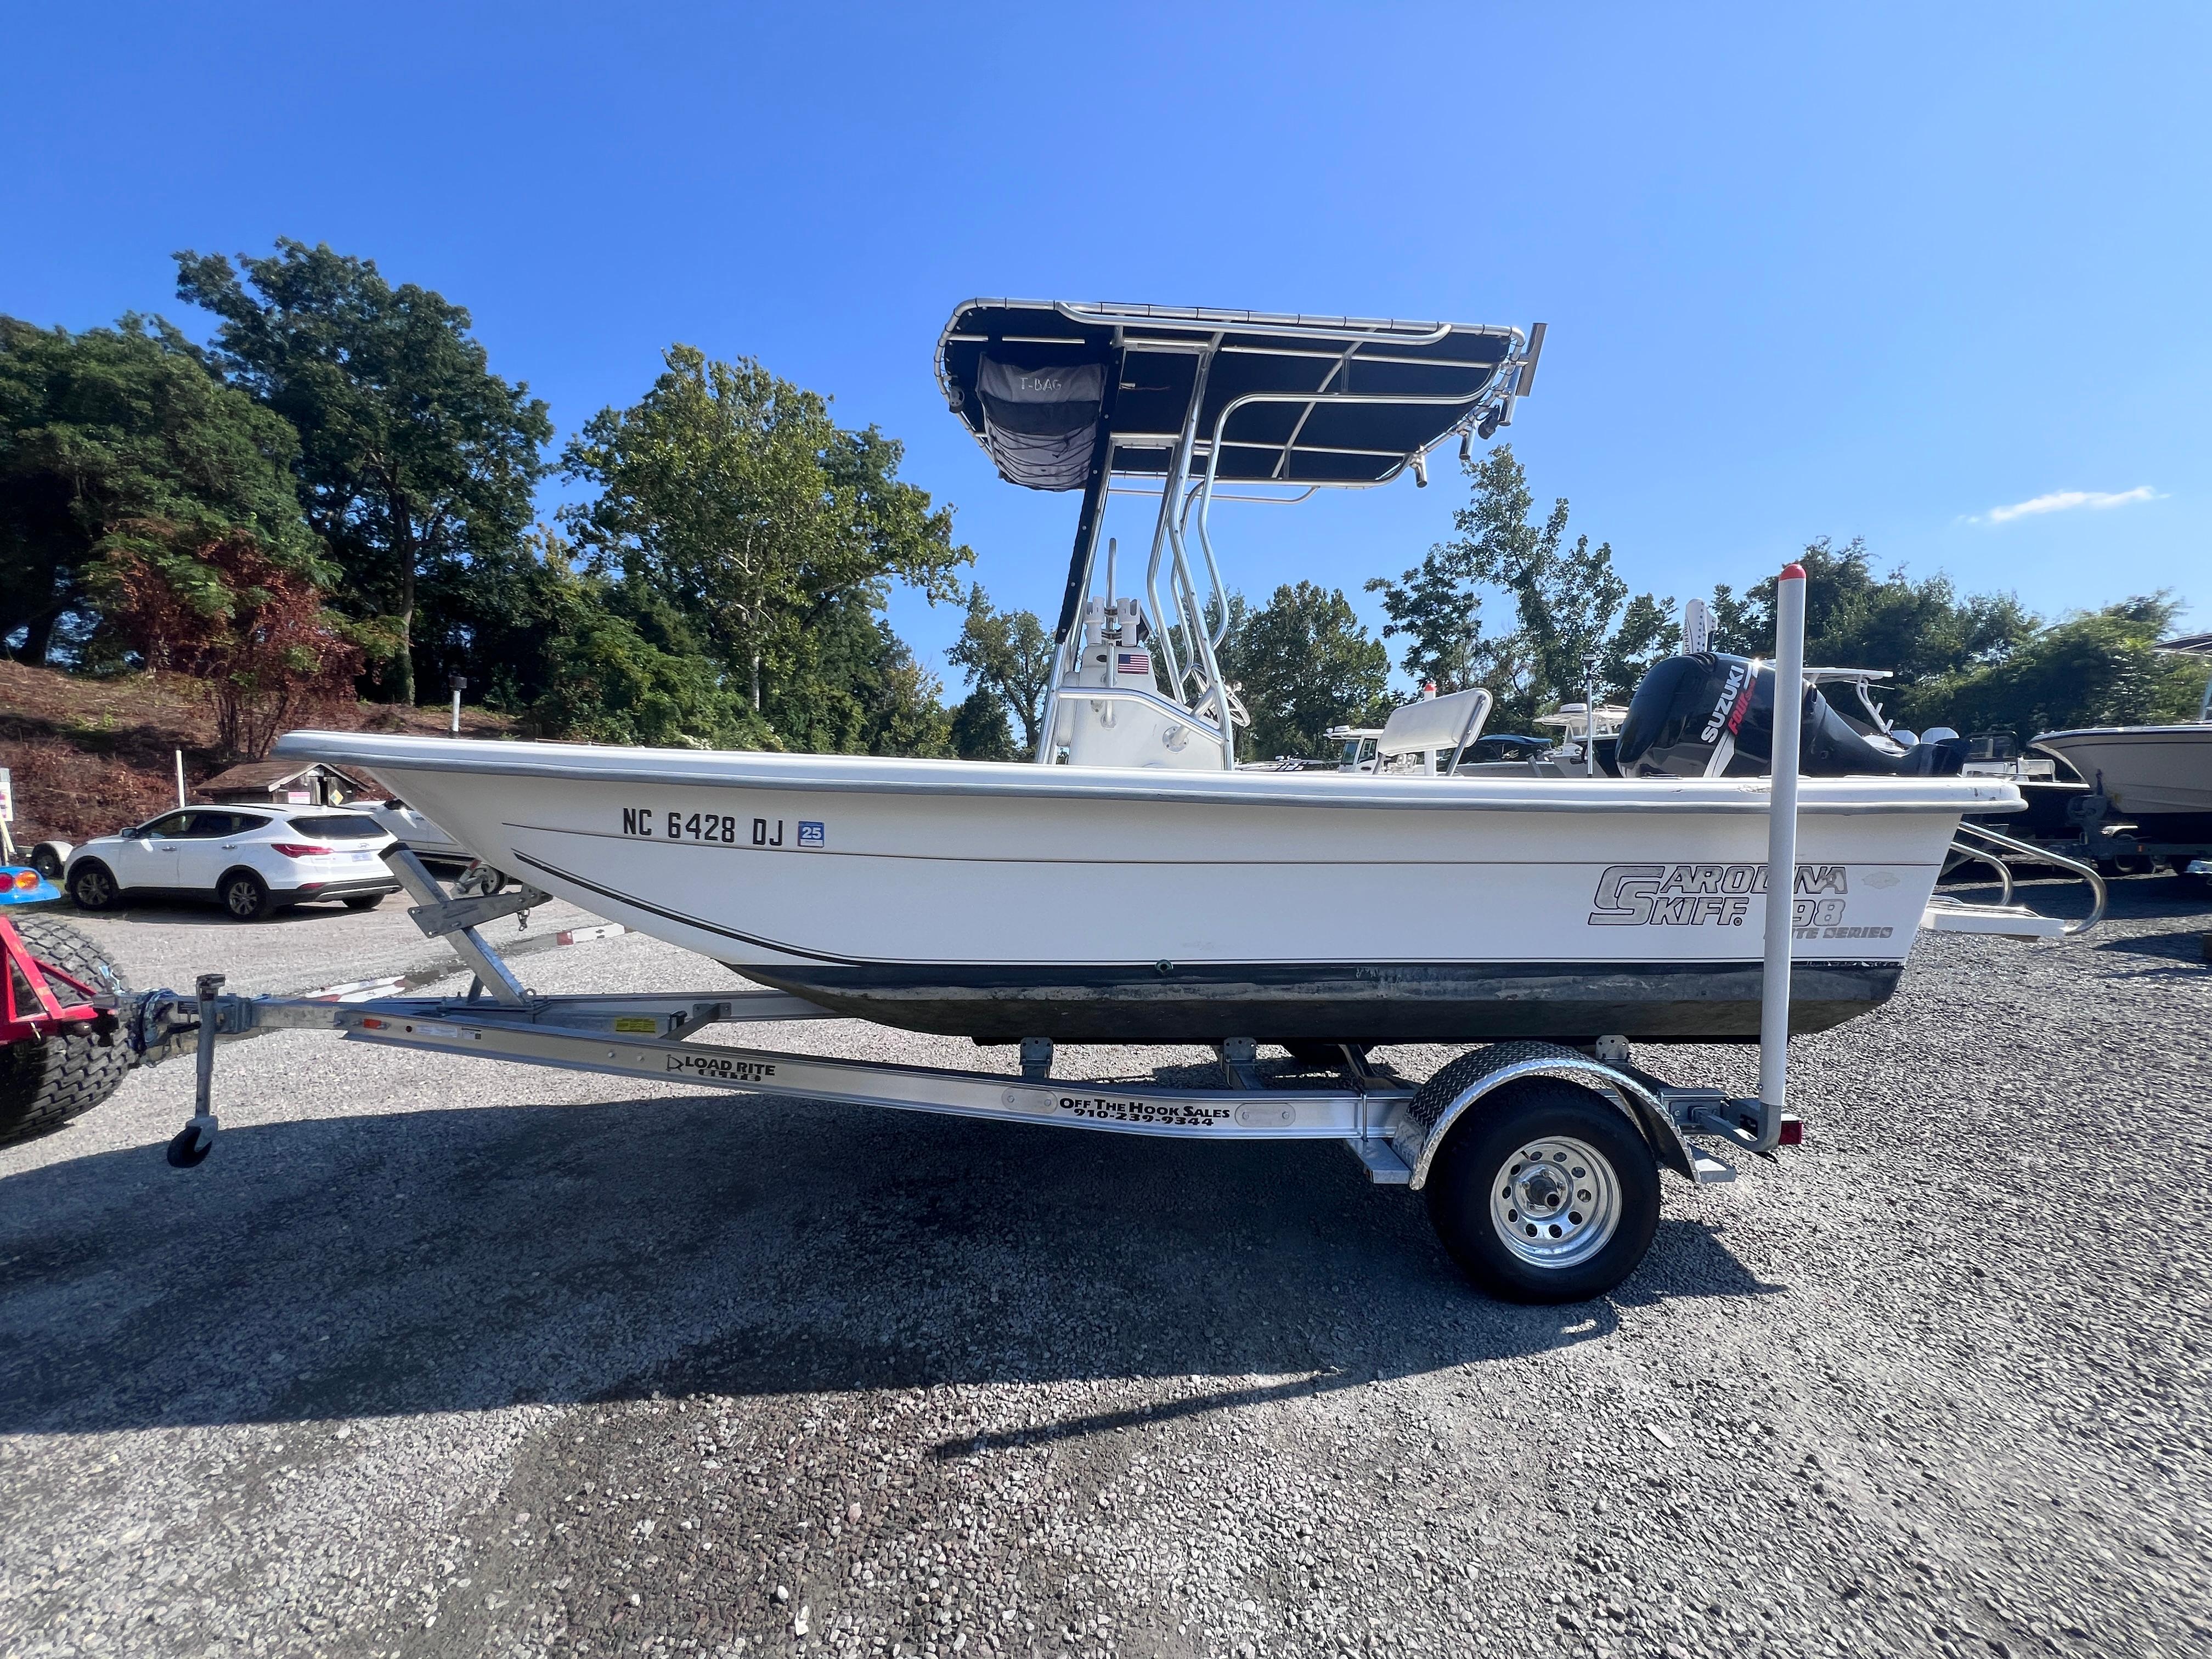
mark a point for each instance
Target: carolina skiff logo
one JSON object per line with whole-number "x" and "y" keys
{"x": 1687, "y": 895}
{"x": 1729, "y": 706}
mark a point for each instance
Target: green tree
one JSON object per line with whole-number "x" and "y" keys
{"x": 1855, "y": 619}
{"x": 776, "y": 532}
{"x": 124, "y": 427}
{"x": 1650, "y": 630}
{"x": 1566, "y": 600}
{"x": 980, "y": 730}
{"x": 2099, "y": 668}
{"x": 1303, "y": 663}
{"x": 414, "y": 457}
{"x": 1007, "y": 655}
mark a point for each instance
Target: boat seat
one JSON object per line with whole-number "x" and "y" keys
{"x": 1448, "y": 723}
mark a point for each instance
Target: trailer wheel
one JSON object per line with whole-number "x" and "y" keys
{"x": 187, "y": 1150}
{"x": 46, "y": 1082}
{"x": 1545, "y": 1192}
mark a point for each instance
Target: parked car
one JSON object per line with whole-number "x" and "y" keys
{"x": 431, "y": 844}
{"x": 250, "y": 861}
{"x": 439, "y": 852}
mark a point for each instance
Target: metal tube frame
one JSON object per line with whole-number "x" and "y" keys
{"x": 1782, "y": 849}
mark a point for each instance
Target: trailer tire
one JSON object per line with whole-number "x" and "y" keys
{"x": 1545, "y": 1192}
{"x": 46, "y": 1082}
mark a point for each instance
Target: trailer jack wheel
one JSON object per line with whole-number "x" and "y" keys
{"x": 189, "y": 1148}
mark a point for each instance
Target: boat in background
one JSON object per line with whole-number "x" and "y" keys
{"x": 2160, "y": 777}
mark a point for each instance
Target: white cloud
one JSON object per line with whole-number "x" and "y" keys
{"x": 2065, "y": 500}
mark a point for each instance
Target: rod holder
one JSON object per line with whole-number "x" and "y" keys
{"x": 1782, "y": 848}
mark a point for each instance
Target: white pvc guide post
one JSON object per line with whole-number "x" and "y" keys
{"x": 1781, "y": 833}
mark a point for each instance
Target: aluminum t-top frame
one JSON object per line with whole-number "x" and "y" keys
{"x": 1061, "y": 394}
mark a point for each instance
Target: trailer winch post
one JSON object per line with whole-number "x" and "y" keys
{"x": 1782, "y": 849}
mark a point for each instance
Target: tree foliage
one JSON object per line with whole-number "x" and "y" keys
{"x": 253, "y": 632}
{"x": 1303, "y": 663}
{"x": 125, "y": 426}
{"x": 1570, "y": 626}
{"x": 734, "y": 496}
{"x": 1008, "y": 656}
{"x": 1855, "y": 619}
{"x": 980, "y": 730}
{"x": 414, "y": 459}
{"x": 2098, "y": 668}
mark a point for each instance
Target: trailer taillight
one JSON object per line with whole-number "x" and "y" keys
{"x": 1793, "y": 1131}
{"x": 27, "y": 879}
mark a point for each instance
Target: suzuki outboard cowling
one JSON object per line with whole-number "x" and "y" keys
{"x": 1691, "y": 710}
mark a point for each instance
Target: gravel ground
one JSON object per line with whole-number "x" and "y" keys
{"x": 589, "y": 1368}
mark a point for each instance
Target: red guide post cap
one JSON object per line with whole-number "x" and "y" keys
{"x": 1793, "y": 573}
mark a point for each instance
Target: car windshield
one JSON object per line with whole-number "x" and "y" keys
{"x": 341, "y": 826}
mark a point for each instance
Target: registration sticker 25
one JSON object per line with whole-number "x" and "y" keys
{"x": 719, "y": 829}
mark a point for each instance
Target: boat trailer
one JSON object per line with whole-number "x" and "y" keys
{"x": 1549, "y": 1194}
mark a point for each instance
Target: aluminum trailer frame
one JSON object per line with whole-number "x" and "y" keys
{"x": 1381, "y": 1118}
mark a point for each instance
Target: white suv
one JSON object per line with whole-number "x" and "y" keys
{"x": 248, "y": 859}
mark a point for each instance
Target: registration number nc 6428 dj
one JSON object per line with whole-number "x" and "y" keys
{"x": 720, "y": 828}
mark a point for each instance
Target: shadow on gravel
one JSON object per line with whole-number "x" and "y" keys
{"x": 2187, "y": 944}
{"x": 443, "y": 1260}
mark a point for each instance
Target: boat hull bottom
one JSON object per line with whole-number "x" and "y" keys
{"x": 1373, "y": 1004}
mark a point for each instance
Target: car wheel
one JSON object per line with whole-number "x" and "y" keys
{"x": 93, "y": 887}
{"x": 49, "y": 860}
{"x": 364, "y": 901}
{"x": 245, "y": 896}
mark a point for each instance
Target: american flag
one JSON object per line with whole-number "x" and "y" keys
{"x": 1133, "y": 662}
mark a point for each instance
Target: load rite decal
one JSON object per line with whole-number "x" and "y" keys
{"x": 1687, "y": 895}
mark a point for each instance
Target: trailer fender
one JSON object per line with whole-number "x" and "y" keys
{"x": 1421, "y": 1126}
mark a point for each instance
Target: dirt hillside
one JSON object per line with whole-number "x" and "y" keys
{"x": 90, "y": 756}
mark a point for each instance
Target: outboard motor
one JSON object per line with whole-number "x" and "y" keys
{"x": 1709, "y": 715}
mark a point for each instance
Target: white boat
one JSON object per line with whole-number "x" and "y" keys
{"x": 1095, "y": 905}
{"x": 1137, "y": 887}
{"x": 2159, "y": 775}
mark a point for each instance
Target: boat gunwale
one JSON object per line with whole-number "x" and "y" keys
{"x": 683, "y": 769}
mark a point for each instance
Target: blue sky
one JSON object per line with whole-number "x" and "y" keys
{"x": 1935, "y": 276}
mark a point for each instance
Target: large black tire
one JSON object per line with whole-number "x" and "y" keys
{"x": 44, "y": 1083}
{"x": 1561, "y": 1169}
{"x": 244, "y": 895}
{"x": 93, "y": 885}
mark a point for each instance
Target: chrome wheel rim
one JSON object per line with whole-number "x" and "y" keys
{"x": 1555, "y": 1201}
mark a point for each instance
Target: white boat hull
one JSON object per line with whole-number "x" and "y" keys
{"x": 2157, "y": 772}
{"x": 1005, "y": 901}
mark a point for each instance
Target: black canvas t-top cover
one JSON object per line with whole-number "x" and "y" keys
{"x": 1293, "y": 400}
